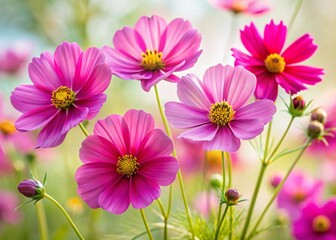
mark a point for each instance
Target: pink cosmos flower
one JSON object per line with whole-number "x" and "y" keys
{"x": 316, "y": 222}
{"x": 8, "y": 203}
{"x": 67, "y": 89}
{"x": 242, "y": 6}
{"x": 13, "y": 58}
{"x": 297, "y": 191}
{"x": 5, "y": 164}
{"x": 274, "y": 66}
{"x": 153, "y": 50}
{"x": 125, "y": 161}
{"x": 215, "y": 111}
{"x": 205, "y": 203}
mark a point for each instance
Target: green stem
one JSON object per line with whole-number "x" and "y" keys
{"x": 231, "y": 36}
{"x": 146, "y": 224}
{"x": 267, "y": 141}
{"x": 83, "y": 129}
{"x": 221, "y": 222}
{"x": 231, "y": 224}
{"x": 179, "y": 174}
{"x": 254, "y": 198}
{"x": 279, "y": 187}
{"x": 295, "y": 13}
{"x": 223, "y": 188}
{"x": 165, "y": 229}
{"x": 59, "y": 206}
{"x": 229, "y": 167}
{"x": 42, "y": 220}
{"x": 281, "y": 140}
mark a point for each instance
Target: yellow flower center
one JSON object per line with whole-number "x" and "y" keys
{"x": 221, "y": 113}
{"x": 152, "y": 60}
{"x": 321, "y": 224}
{"x": 127, "y": 165}
{"x": 238, "y": 6}
{"x": 299, "y": 196}
{"x": 63, "y": 97}
{"x": 7, "y": 127}
{"x": 275, "y": 63}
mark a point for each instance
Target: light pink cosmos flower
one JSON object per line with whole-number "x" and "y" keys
{"x": 153, "y": 50}
{"x": 242, "y": 6}
{"x": 298, "y": 190}
{"x": 274, "y": 66}
{"x": 214, "y": 111}
{"x": 67, "y": 89}
{"x": 14, "y": 57}
{"x": 125, "y": 161}
{"x": 8, "y": 203}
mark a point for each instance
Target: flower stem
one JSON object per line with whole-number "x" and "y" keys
{"x": 295, "y": 13}
{"x": 231, "y": 36}
{"x": 42, "y": 220}
{"x": 223, "y": 188}
{"x": 165, "y": 229}
{"x": 179, "y": 174}
{"x": 229, "y": 168}
{"x": 146, "y": 223}
{"x": 83, "y": 129}
{"x": 59, "y": 206}
{"x": 279, "y": 187}
{"x": 221, "y": 222}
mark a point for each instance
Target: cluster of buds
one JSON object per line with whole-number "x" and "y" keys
{"x": 315, "y": 128}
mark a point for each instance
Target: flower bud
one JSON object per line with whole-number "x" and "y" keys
{"x": 216, "y": 181}
{"x": 315, "y": 129}
{"x": 275, "y": 180}
{"x": 32, "y": 189}
{"x": 319, "y": 115}
{"x": 297, "y": 106}
{"x": 232, "y": 196}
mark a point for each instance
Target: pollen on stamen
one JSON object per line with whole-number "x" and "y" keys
{"x": 221, "y": 113}
{"x": 275, "y": 63}
{"x": 152, "y": 60}
{"x": 63, "y": 97}
{"x": 127, "y": 165}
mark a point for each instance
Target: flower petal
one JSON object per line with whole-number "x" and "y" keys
{"x": 74, "y": 116}
{"x": 129, "y": 41}
{"x": 115, "y": 199}
{"x": 300, "y": 50}
{"x": 205, "y": 132}
{"x": 262, "y": 110}
{"x": 93, "y": 103}
{"x": 98, "y": 149}
{"x": 245, "y": 60}
{"x": 66, "y": 57}
{"x": 93, "y": 179}
{"x": 247, "y": 128}
{"x": 24, "y": 98}
{"x": 183, "y": 116}
{"x": 275, "y": 36}
{"x": 191, "y": 94}
{"x": 143, "y": 191}
{"x": 139, "y": 124}
{"x": 224, "y": 140}
{"x": 36, "y": 118}
{"x": 305, "y": 74}
{"x": 267, "y": 86}
{"x": 289, "y": 83}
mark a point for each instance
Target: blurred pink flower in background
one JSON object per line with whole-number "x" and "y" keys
{"x": 242, "y": 6}
{"x": 298, "y": 190}
{"x": 125, "y": 161}
{"x": 206, "y": 203}
{"x": 274, "y": 66}
{"x": 6, "y": 166}
{"x": 316, "y": 222}
{"x": 14, "y": 57}
{"x": 214, "y": 111}
{"x": 72, "y": 94}
{"x": 8, "y": 203}
{"x": 153, "y": 50}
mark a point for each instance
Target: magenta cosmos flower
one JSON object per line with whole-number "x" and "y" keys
{"x": 274, "y": 66}
{"x": 242, "y": 6}
{"x": 125, "y": 161}
{"x": 67, "y": 89}
{"x": 298, "y": 190}
{"x": 316, "y": 222}
{"x": 14, "y": 57}
{"x": 153, "y": 50}
{"x": 215, "y": 112}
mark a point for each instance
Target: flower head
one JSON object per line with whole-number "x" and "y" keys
{"x": 153, "y": 50}
{"x": 8, "y": 203}
{"x": 274, "y": 66}
{"x": 125, "y": 161}
{"x": 242, "y": 6}
{"x": 316, "y": 222}
{"x": 67, "y": 89}
{"x": 298, "y": 190}
{"x": 215, "y": 111}
{"x": 14, "y": 57}
{"x": 232, "y": 196}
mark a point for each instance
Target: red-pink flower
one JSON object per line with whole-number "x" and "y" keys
{"x": 316, "y": 222}
{"x": 215, "y": 111}
{"x": 153, "y": 50}
{"x": 274, "y": 66}
{"x": 125, "y": 161}
{"x": 298, "y": 190}
{"x": 67, "y": 89}
{"x": 242, "y": 6}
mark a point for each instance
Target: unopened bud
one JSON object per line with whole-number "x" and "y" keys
{"x": 31, "y": 188}
{"x": 299, "y": 103}
{"x": 319, "y": 115}
{"x": 232, "y": 196}
{"x": 216, "y": 181}
{"x": 315, "y": 129}
{"x": 275, "y": 180}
